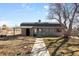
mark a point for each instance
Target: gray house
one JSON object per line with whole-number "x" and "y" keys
{"x": 40, "y": 29}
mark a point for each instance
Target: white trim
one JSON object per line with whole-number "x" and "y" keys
{"x": 38, "y": 27}
{"x": 26, "y": 26}
{"x": 47, "y": 27}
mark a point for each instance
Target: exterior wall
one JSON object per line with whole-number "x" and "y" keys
{"x": 43, "y": 31}
{"x": 31, "y": 31}
{"x": 23, "y": 31}
{"x": 47, "y": 31}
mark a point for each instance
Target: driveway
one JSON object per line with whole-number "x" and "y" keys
{"x": 39, "y": 48}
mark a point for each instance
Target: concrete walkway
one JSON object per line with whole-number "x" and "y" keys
{"x": 39, "y": 48}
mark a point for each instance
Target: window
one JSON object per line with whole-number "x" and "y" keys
{"x": 58, "y": 30}
{"x": 39, "y": 29}
{"x": 35, "y": 30}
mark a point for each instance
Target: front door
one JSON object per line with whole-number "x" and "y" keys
{"x": 27, "y": 32}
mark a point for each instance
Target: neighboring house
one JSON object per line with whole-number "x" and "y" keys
{"x": 41, "y": 29}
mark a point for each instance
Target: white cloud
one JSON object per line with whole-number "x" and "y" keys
{"x": 46, "y": 7}
{"x": 24, "y": 5}
{"x": 27, "y": 7}
{"x": 46, "y": 13}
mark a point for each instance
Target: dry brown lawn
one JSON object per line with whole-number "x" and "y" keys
{"x": 71, "y": 48}
{"x": 20, "y": 46}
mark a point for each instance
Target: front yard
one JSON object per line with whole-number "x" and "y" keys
{"x": 20, "y": 46}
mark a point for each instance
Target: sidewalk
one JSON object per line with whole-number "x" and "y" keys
{"x": 39, "y": 48}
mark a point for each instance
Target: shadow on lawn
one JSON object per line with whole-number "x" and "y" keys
{"x": 65, "y": 40}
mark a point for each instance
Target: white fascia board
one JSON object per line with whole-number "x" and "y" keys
{"x": 26, "y": 26}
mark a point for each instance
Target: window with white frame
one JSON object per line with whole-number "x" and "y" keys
{"x": 35, "y": 30}
{"x": 40, "y": 30}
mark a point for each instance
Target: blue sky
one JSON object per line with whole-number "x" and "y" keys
{"x": 14, "y": 14}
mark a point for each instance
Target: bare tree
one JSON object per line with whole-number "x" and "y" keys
{"x": 65, "y": 14}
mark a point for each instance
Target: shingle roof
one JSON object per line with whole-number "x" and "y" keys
{"x": 40, "y": 24}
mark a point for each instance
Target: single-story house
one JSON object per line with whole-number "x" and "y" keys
{"x": 41, "y": 29}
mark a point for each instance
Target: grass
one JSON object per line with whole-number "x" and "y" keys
{"x": 52, "y": 46}
{"x": 17, "y": 46}
{"x": 22, "y": 46}
{"x": 68, "y": 49}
